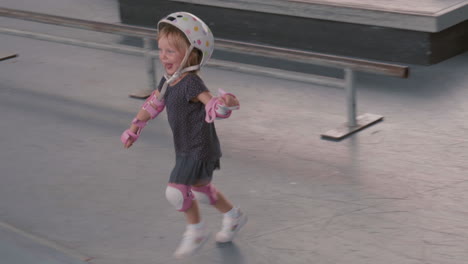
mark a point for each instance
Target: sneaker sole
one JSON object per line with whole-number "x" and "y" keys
{"x": 202, "y": 243}
{"x": 241, "y": 224}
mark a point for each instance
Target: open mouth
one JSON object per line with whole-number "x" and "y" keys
{"x": 168, "y": 66}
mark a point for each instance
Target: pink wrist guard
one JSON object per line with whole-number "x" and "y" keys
{"x": 216, "y": 110}
{"x": 153, "y": 106}
{"x": 128, "y": 134}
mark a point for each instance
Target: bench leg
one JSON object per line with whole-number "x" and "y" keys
{"x": 354, "y": 123}
{"x": 350, "y": 97}
{"x": 150, "y": 72}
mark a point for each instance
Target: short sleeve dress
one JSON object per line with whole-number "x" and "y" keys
{"x": 196, "y": 143}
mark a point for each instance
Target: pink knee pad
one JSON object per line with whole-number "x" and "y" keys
{"x": 206, "y": 194}
{"x": 180, "y": 196}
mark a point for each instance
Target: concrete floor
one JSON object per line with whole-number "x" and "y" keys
{"x": 396, "y": 192}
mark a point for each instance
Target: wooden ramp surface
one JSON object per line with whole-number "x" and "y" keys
{"x": 426, "y": 7}
{"x": 418, "y": 15}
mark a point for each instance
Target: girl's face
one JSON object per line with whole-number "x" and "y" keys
{"x": 169, "y": 55}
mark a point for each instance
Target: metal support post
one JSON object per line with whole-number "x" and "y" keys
{"x": 350, "y": 97}
{"x": 354, "y": 124}
{"x": 150, "y": 71}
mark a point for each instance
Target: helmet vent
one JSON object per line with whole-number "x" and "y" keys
{"x": 171, "y": 18}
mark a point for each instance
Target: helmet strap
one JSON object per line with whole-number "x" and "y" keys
{"x": 178, "y": 73}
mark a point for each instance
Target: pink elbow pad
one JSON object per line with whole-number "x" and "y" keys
{"x": 154, "y": 106}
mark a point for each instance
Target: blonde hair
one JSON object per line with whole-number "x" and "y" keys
{"x": 178, "y": 39}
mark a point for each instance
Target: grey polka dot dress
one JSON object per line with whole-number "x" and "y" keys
{"x": 196, "y": 143}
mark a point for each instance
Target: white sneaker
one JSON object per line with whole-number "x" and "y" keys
{"x": 230, "y": 227}
{"x": 191, "y": 242}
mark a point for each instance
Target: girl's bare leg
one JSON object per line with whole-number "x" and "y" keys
{"x": 223, "y": 205}
{"x": 195, "y": 235}
{"x": 233, "y": 218}
{"x": 193, "y": 213}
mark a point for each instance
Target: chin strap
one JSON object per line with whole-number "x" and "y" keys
{"x": 178, "y": 73}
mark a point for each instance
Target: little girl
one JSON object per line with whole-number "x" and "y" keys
{"x": 185, "y": 44}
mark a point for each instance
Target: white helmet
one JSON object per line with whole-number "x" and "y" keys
{"x": 196, "y": 31}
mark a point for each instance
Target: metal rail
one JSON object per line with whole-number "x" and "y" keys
{"x": 314, "y": 58}
{"x": 123, "y": 30}
{"x": 349, "y": 65}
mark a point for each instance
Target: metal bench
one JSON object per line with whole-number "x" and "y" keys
{"x": 348, "y": 65}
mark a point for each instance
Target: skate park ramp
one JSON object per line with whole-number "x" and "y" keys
{"x": 422, "y": 32}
